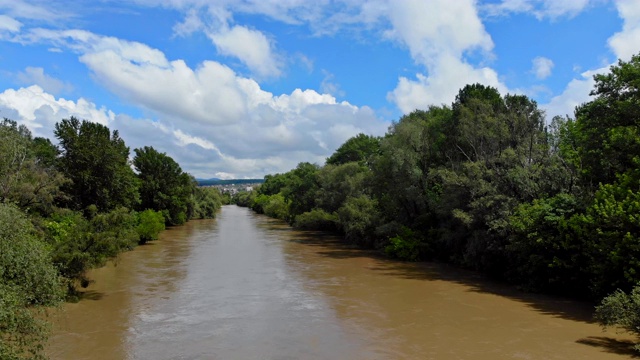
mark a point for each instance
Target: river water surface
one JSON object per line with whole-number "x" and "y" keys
{"x": 244, "y": 286}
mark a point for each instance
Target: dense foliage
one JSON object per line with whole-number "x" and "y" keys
{"x": 67, "y": 209}
{"x": 28, "y": 282}
{"x": 97, "y": 163}
{"x": 488, "y": 184}
{"x": 163, "y": 185}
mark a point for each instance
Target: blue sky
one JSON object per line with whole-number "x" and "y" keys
{"x": 242, "y": 88}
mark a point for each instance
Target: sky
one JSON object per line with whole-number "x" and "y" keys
{"x": 244, "y": 88}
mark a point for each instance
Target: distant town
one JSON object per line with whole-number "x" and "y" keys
{"x": 232, "y": 186}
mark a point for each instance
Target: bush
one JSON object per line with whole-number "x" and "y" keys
{"x": 621, "y": 309}
{"x": 244, "y": 198}
{"x": 316, "y": 219}
{"x": 259, "y": 203}
{"x": 404, "y": 246}
{"x": 79, "y": 244}
{"x": 28, "y": 282}
{"x": 150, "y": 224}
{"x": 359, "y": 217}
{"x": 207, "y": 202}
{"x": 277, "y": 207}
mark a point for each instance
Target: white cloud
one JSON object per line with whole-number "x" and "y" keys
{"x": 40, "y": 110}
{"x": 36, "y": 76}
{"x": 576, "y": 93}
{"x": 191, "y": 24}
{"x": 542, "y": 67}
{"x": 208, "y": 118}
{"x": 432, "y": 31}
{"x": 9, "y": 24}
{"x": 185, "y": 139}
{"x": 448, "y": 78}
{"x": 438, "y": 35}
{"x": 627, "y": 42}
{"x": 624, "y": 44}
{"x": 250, "y": 46}
{"x": 33, "y": 10}
{"x": 541, "y": 9}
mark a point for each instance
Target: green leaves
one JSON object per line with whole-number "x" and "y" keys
{"x": 622, "y": 310}
{"x": 97, "y": 163}
{"x": 360, "y": 148}
{"x": 150, "y": 224}
{"x": 163, "y": 185}
{"x": 28, "y": 282}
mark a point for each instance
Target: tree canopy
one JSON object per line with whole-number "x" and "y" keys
{"x": 97, "y": 162}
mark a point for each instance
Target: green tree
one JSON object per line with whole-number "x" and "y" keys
{"x": 164, "y": 186}
{"x": 274, "y": 184}
{"x": 27, "y": 177}
{"x": 28, "y": 283}
{"x": 96, "y": 161}
{"x": 207, "y": 202}
{"x": 402, "y": 178}
{"x": 359, "y": 217}
{"x": 339, "y": 182}
{"x": 606, "y": 129}
{"x": 79, "y": 244}
{"x": 277, "y": 207}
{"x": 360, "y": 148}
{"x": 150, "y": 224}
{"x": 621, "y": 310}
{"x": 300, "y": 192}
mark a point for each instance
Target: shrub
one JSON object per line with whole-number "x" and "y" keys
{"x": 277, "y": 207}
{"x": 621, "y": 309}
{"x": 359, "y": 217}
{"x": 28, "y": 282}
{"x": 150, "y": 224}
{"x": 404, "y": 246}
{"x": 316, "y": 219}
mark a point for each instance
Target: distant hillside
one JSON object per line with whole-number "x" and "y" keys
{"x": 209, "y": 182}
{"x": 212, "y": 179}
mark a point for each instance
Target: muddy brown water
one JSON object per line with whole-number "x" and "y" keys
{"x": 244, "y": 286}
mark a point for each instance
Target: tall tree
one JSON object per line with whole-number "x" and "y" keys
{"x": 26, "y": 178}
{"x": 97, "y": 162}
{"x": 164, "y": 186}
{"x": 607, "y": 129}
{"x": 361, "y": 148}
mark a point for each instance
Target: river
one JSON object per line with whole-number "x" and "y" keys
{"x": 244, "y": 286}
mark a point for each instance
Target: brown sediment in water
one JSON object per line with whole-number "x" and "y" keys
{"x": 244, "y": 286}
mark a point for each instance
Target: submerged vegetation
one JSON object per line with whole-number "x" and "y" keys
{"x": 69, "y": 208}
{"x": 488, "y": 184}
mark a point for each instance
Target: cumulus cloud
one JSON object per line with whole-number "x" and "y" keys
{"x": 626, "y": 42}
{"x": 40, "y": 110}
{"x": 252, "y": 47}
{"x": 209, "y": 118}
{"x": 438, "y": 35}
{"x": 36, "y": 76}
{"x": 575, "y": 93}
{"x": 542, "y": 67}
{"x": 442, "y": 86}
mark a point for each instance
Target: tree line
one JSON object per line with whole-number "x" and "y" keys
{"x": 487, "y": 183}
{"x": 67, "y": 208}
